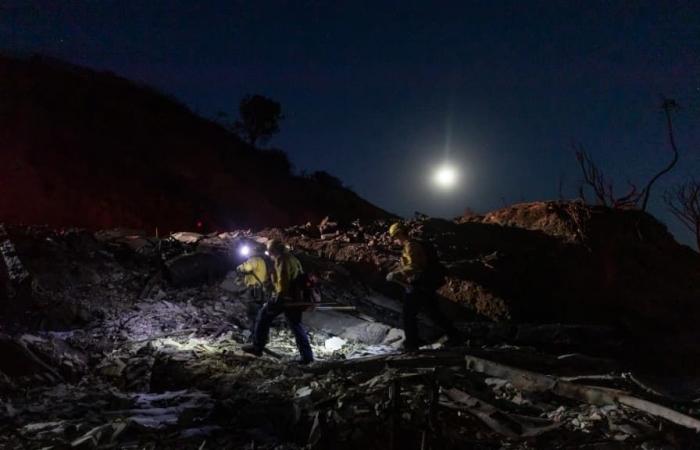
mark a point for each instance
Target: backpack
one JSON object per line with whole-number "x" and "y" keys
{"x": 305, "y": 290}
{"x": 436, "y": 273}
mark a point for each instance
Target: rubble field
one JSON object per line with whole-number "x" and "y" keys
{"x": 118, "y": 339}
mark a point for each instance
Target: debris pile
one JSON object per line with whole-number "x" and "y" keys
{"x": 117, "y": 339}
{"x": 544, "y": 262}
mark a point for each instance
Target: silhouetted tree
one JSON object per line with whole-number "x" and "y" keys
{"x": 684, "y": 203}
{"x": 668, "y": 105}
{"x": 259, "y": 119}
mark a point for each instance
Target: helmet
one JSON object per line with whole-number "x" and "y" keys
{"x": 397, "y": 228}
{"x": 275, "y": 246}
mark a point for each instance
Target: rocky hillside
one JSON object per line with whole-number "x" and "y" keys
{"x": 84, "y": 148}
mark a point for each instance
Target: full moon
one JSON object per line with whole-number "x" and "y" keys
{"x": 445, "y": 177}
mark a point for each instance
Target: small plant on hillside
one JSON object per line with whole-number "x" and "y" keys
{"x": 259, "y": 119}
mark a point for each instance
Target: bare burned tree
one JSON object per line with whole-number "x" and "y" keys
{"x": 602, "y": 186}
{"x": 668, "y": 105}
{"x": 684, "y": 202}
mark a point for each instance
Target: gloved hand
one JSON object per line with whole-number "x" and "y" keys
{"x": 390, "y": 276}
{"x": 274, "y": 299}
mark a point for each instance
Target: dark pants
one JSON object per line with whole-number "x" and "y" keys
{"x": 422, "y": 299}
{"x": 267, "y": 314}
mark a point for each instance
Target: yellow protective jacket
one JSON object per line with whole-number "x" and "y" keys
{"x": 413, "y": 259}
{"x": 255, "y": 270}
{"x": 287, "y": 268}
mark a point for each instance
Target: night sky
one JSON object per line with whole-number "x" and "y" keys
{"x": 377, "y": 92}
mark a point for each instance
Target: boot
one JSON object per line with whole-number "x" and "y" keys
{"x": 301, "y": 361}
{"x": 252, "y": 349}
{"x": 457, "y": 339}
{"x": 410, "y": 349}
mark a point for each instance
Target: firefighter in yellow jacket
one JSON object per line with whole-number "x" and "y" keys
{"x": 421, "y": 273}
{"x": 255, "y": 276}
{"x": 287, "y": 270}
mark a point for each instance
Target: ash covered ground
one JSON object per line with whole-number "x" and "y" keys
{"x": 118, "y": 339}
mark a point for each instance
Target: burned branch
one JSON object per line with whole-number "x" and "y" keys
{"x": 668, "y": 105}
{"x": 684, "y": 202}
{"x": 602, "y": 186}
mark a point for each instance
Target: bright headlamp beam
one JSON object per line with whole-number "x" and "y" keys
{"x": 244, "y": 250}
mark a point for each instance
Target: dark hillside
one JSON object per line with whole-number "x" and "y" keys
{"x": 83, "y": 148}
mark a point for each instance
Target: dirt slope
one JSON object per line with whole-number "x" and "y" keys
{"x": 83, "y": 148}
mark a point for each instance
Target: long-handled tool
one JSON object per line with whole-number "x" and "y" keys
{"x": 319, "y": 306}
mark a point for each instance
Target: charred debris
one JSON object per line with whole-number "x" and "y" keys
{"x": 580, "y": 323}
